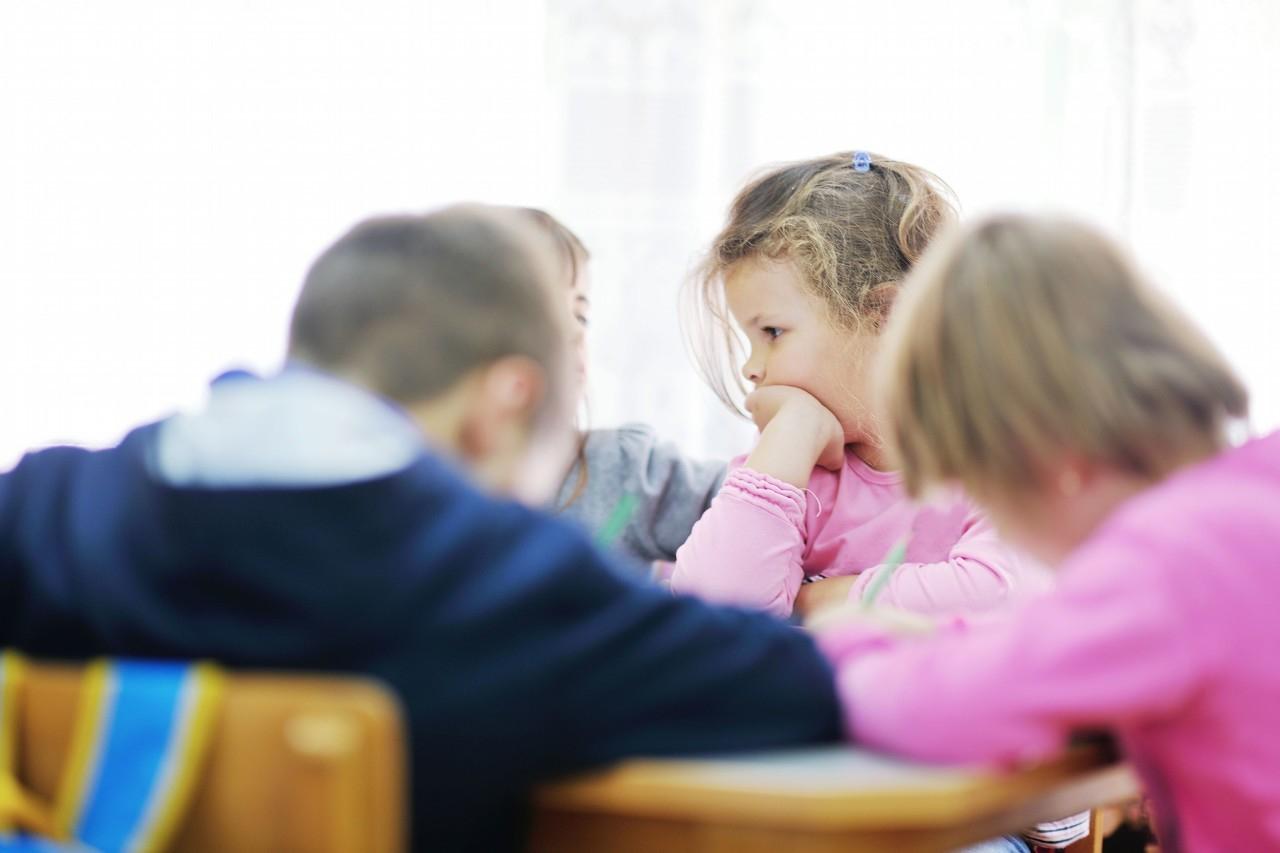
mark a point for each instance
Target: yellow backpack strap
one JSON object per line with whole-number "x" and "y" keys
{"x": 11, "y": 665}
{"x": 19, "y": 809}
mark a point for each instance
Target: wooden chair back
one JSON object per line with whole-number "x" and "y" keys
{"x": 296, "y": 763}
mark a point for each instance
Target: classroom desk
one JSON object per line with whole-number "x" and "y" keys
{"x": 813, "y": 801}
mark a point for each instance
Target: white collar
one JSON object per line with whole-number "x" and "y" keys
{"x": 299, "y": 427}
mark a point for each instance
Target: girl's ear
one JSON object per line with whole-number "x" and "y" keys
{"x": 1067, "y": 476}
{"x": 880, "y": 301}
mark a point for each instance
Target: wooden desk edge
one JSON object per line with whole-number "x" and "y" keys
{"x": 1079, "y": 781}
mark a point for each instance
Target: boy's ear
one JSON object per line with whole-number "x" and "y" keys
{"x": 501, "y": 407}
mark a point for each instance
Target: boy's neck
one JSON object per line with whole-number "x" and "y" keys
{"x": 442, "y": 417}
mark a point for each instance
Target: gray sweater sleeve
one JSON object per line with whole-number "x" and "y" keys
{"x": 670, "y": 490}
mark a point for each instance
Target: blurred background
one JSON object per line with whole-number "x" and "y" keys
{"x": 168, "y": 170}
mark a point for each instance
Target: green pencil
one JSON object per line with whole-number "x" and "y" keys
{"x": 616, "y": 522}
{"x": 888, "y": 566}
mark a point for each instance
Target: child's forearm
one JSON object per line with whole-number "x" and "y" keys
{"x": 788, "y": 449}
{"x": 981, "y": 573}
{"x": 954, "y": 586}
{"x": 1011, "y": 688}
{"x": 746, "y": 549}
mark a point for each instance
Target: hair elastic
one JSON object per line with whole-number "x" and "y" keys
{"x": 861, "y": 161}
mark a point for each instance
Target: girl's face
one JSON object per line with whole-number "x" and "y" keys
{"x": 580, "y": 311}
{"x": 792, "y": 342}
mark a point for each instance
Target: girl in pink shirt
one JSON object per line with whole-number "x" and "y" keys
{"x": 1027, "y": 363}
{"x": 807, "y": 267}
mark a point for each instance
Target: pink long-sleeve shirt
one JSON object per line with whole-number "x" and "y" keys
{"x": 1163, "y": 630}
{"x": 761, "y": 537}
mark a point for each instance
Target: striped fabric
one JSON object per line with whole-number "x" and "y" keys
{"x": 1056, "y": 834}
{"x": 140, "y": 735}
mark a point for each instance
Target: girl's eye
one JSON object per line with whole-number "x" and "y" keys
{"x": 771, "y": 332}
{"x": 582, "y": 320}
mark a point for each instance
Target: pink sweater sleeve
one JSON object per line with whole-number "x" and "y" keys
{"x": 980, "y": 573}
{"x": 747, "y": 547}
{"x": 1111, "y": 645}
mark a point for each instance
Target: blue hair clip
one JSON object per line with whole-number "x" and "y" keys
{"x": 861, "y": 161}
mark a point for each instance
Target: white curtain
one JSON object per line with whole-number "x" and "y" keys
{"x": 168, "y": 170}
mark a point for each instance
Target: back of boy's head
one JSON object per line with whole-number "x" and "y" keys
{"x": 408, "y": 305}
{"x": 851, "y": 233}
{"x": 1020, "y": 339}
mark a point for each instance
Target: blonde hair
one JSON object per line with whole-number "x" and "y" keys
{"x": 852, "y": 235}
{"x": 1020, "y": 338}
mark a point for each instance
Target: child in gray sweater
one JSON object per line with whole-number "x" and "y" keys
{"x": 658, "y": 491}
{"x": 669, "y": 490}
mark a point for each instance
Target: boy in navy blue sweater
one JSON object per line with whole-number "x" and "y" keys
{"x": 317, "y": 519}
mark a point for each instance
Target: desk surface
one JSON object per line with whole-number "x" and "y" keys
{"x": 837, "y": 794}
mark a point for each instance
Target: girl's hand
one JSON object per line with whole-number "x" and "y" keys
{"x": 796, "y": 433}
{"x": 823, "y": 595}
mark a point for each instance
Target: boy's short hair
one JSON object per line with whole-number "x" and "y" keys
{"x": 1023, "y": 337}
{"x": 409, "y": 304}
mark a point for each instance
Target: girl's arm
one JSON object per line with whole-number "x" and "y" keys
{"x": 1111, "y": 645}
{"x": 980, "y": 573}
{"x": 748, "y": 547}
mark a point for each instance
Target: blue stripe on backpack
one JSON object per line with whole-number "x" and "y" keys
{"x": 140, "y": 734}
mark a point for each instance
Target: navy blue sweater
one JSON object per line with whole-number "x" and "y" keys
{"x": 518, "y": 651}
